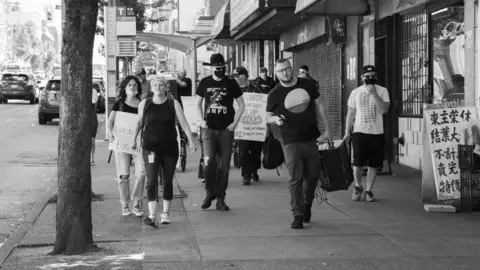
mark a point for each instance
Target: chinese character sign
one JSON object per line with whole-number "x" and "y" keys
{"x": 123, "y": 131}
{"x": 253, "y": 124}
{"x": 447, "y": 128}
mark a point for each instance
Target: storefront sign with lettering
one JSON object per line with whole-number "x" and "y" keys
{"x": 447, "y": 128}
{"x": 253, "y": 124}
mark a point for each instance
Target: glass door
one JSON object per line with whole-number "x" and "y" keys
{"x": 448, "y": 55}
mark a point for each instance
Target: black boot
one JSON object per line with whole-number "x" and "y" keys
{"x": 297, "y": 222}
{"x": 307, "y": 213}
{"x": 208, "y": 201}
{"x": 222, "y": 206}
{"x": 246, "y": 180}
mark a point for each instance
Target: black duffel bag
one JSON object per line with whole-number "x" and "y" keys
{"x": 336, "y": 169}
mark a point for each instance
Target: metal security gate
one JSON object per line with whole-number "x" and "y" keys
{"x": 324, "y": 62}
{"x": 413, "y": 63}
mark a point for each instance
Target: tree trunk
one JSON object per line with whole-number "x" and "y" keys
{"x": 74, "y": 211}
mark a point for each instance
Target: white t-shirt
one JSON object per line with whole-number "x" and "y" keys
{"x": 94, "y": 96}
{"x": 368, "y": 118}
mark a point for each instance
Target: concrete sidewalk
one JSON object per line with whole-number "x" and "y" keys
{"x": 393, "y": 233}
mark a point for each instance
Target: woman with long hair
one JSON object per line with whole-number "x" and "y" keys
{"x": 157, "y": 117}
{"x": 128, "y": 101}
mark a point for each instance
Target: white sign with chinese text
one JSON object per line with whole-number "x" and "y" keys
{"x": 253, "y": 124}
{"x": 123, "y": 131}
{"x": 447, "y": 128}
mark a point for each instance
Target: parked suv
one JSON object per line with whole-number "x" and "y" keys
{"x": 17, "y": 86}
{"x": 49, "y": 102}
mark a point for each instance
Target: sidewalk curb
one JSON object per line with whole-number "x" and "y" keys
{"x": 12, "y": 241}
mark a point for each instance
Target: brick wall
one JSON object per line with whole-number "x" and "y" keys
{"x": 411, "y": 153}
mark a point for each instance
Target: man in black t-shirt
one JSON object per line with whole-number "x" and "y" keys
{"x": 265, "y": 82}
{"x": 218, "y": 123}
{"x": 292, "y": 108}
{"x": 184, "y": 84}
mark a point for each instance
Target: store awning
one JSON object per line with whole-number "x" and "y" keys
{"x": 221, "y": 24}
{"x": 333, "y": 7}
{"x": 177, "y": 42}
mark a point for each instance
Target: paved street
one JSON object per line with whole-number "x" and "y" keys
{"x": 27, "y": 162}
{"x": 394, "y": 233}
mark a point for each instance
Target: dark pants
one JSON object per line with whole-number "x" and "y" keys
{"x": 303, "y": 162}
{"x": 250, "y": 156}
{"x": 167, "y": 163}
{"x": 218, "y": 152}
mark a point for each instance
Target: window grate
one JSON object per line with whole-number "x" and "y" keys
{"x": 414, "y": 63}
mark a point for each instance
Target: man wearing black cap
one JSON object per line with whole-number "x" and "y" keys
{"x": 366, "y": 106}
{"x": 250, "y": 151}
{"x": 218, "y": 123}
{"x": 265, "y": 82}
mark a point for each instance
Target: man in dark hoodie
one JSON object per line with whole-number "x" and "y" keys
{"x": 265, "y": 82}
{"x": 250, "y": 151}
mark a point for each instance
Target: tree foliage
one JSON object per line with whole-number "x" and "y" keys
{"x": 24, "y": 38}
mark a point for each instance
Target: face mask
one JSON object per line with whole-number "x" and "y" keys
{"x": 369, "y": 81}
{"x": 220, "y": 73}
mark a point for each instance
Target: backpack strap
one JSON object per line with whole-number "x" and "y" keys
{"x": 148, "y": 102}
{"x": 171, "y": 105}
{"x": 121, "y": 104}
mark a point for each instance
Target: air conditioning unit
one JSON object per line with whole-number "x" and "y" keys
{"x": 126, "y": 47}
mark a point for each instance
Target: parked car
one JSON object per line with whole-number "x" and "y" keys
{"x": 49, "y": 103}
{"x": 18, "y": 86}
{"x": 40, "y": 88}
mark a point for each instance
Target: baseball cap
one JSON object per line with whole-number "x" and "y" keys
{"x": 368, "y": 68}
{"x": 263, "y": 70}
{"x": 240, "y": 71}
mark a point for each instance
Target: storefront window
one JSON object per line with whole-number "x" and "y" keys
{"x": 449, "y": 56}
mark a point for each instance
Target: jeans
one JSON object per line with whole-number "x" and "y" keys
{"x": 167, "y": 164}
{"x": 122, "y": 164}
{"x": 250, "y": 156}
{"x": 302, "y": 162}
{"x": 218, "y": 153}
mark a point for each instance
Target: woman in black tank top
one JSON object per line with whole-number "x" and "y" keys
{"x": 157, "y": 118}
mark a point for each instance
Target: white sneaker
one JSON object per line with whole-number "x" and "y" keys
{"x": 137, "y": 211}
{"x": 164, "y": 218}
{"x": 126, "y": 211}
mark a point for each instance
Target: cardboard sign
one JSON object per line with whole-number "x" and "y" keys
{"x": 123, "y": 131}
{"x": 447, "y": 128}
{"x": 190, "y": 111}
{"x": 253, "y": 124}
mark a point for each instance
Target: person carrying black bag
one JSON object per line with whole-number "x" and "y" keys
{"x": 292, "y": 108}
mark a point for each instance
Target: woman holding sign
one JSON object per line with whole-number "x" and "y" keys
{"x": 157, "y": 120}
{"x": 127, "y": 103}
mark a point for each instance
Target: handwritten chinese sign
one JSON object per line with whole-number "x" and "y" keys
{"x": 253, "y": 124}
{"x": 447, "y": 129}
{"x": 123, "y": 131}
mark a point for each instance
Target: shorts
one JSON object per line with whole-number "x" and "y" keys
{"x": 368, "y": 150}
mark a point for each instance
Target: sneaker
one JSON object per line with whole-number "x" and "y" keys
{"x": 126, "y": 211}
{"x": 222, "y": 206}
{"x": 297, "y": 222}
{"x": 357, "y": 194}
{"x": 137, "y": 211}
{"x": 307, "y": 213}
{"x": 255, "y": 177}
{"x": 369, "y": 197}
{"x": 164, "y": 219}
{"x": 246, "y": 180}
{"x": 207, "y": 202}
{"x": 151, "y": 221}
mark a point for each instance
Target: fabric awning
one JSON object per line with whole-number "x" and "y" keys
{"x": 333, "y": 7}
{"x": 221, "y": 24}
{"x": 177, "y": 42}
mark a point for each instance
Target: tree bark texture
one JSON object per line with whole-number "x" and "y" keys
{"x": 74, "y": 211}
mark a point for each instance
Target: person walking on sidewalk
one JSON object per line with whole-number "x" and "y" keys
{"x": 94, "y": 124}
{"x": 366, "y": 106}
{"x": 157, "y": 118}
{"x": 250, "y": 151}
{"x": 218, "y": 124}
{"x": 292, "y": 109}
{"x": 127, "y": 102}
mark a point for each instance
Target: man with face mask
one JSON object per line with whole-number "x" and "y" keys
{"x": 141, "y": 74}
{"x": 219, "y": 120}
{"x": 366, "y": 106}
{"x": 250, "y": 151}
{"x": 265, "y": 82}
{"x": 293, "y": 108}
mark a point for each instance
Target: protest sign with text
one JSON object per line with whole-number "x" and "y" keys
{"x": 123, "y": 131}
{"x": 253, "y": 124}
{"x": 190, "y": 111}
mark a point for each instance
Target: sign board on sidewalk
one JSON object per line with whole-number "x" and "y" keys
{"x": 123, "y": 131}
{"x": 446, "y": 129}
{"x": 253, "y": 124}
